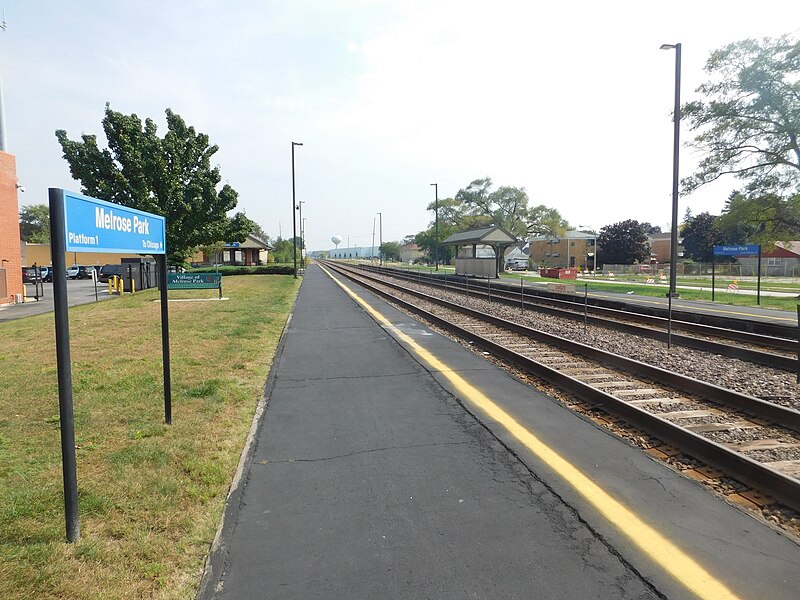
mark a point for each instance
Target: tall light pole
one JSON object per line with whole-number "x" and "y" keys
{"x": 676, "y": 118}
{"x": 380, "y": 237}
{"x": 294, "y": 207}
{"x": 436, "y": 234}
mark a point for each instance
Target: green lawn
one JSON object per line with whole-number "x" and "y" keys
{"x": 151, "y": 496}
{"x": 641, "y": 289}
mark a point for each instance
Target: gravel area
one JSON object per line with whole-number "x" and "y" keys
{"x": 776, "y": 386}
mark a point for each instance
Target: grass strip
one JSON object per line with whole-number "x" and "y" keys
{"x": 151, "y": 496}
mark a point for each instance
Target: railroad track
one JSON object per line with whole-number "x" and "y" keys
{"x": 754, "y": 441}
{"x": 776, "y": 352}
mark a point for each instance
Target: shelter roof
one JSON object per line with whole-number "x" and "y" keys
{"x": 485, "y": 235}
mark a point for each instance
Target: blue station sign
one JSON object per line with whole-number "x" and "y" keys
{"x": 740, "y": 250}
{"x": 94, "y": 225}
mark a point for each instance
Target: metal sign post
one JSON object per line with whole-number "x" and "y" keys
{"x": 713, "y": 274}
{"x": 68, "y": 464}
{"x": 758, "y": 292}
{"x": 162, "y": 288}
{"x": 83, "y": 224}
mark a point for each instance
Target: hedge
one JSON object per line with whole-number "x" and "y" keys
{"x": 242, "y": 270}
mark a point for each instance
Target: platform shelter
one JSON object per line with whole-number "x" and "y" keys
{"x": 480, "y": 252}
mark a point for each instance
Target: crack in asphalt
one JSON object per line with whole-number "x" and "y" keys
{"x": 357, "y": 452}
{"x": 287, "y": 379}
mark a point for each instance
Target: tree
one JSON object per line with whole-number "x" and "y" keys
{"x": 623, "y": 243}
{"x": 743, "y": 221}
{"x": 761, "y": 220}
{"x": 34, "y": 224}
{"x": 170, "y": 176}
{"x": 259, "y": 232}
{"x": 507, "y": 207}
{"x": 426, "y": 240}
{"x": 652, "y": 229}
{"x": 749, "y": 125}
{"x": 390, "y": 251}
{"x": 282, "y": 251}
{"x": 700, "y": 235}
{"x": 543, "y": 220}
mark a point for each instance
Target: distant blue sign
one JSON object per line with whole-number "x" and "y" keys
{"x": 232, "y": 245}
{"x": 98, "y": 226}
{"x": 741, "y": 250}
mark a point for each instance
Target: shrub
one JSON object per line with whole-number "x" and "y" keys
{"x": 243, "y": 270}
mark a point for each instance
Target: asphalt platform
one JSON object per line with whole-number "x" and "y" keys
{"x": 373, "y": 475}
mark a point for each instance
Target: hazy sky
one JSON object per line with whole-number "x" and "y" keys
{"x": 570, "y": 100}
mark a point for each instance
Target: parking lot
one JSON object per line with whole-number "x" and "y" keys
{"x": 79, "y": 291}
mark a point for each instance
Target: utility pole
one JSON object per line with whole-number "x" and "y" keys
{"x": 300, "y": 208}
{"x": 436, "y": 233}
{"x": 380, "y": 238}
{"x": 372, "y": 256}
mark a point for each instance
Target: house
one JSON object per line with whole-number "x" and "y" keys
{"x": 517, "y": 254}
{"x": 781, "y": 261}
{"x": 660, "y": 245}
{"x": 410, "y": 252}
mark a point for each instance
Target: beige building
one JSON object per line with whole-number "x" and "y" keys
{"x": 252, "y": 251}
{"x": 575, "y": 249}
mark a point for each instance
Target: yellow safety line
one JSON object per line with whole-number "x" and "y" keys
{"x": 662, "y": 551}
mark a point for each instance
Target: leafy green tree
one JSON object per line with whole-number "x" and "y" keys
{"x": 282, "y": 251}
{"x": 259, "y": 232}
{"x": 508, "y": 207}
{"x": 761, "y": 220}
{"x": 623, "y": 243}
{"x": 426, "y": 240}
{"x": 34, "y": 224}
{"x": 651, "y": 229}
{"x": 700, "y": 235}
{"x": 390, "y": 251}
{"x": 170, "y": 176}
{"x": 748, "y": 126}
{"x": 543, "y": 220}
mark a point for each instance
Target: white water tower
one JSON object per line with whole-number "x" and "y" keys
{"x": 336, "y": 239}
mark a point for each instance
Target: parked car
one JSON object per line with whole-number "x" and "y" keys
{"x": 45, "y": 274}
{"x": 80, "y": 272}
{"x": 517, "y": 264}
{"x": 26, "y": 278}
{"x": 108, "y": 271}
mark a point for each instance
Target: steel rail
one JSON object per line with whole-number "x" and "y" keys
{"x": 786, "y": 341}
{"x": 782, "y": 487}
{"x": 512, "y": 298}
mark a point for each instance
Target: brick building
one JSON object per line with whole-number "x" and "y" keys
{"x": 10, "y": 258}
